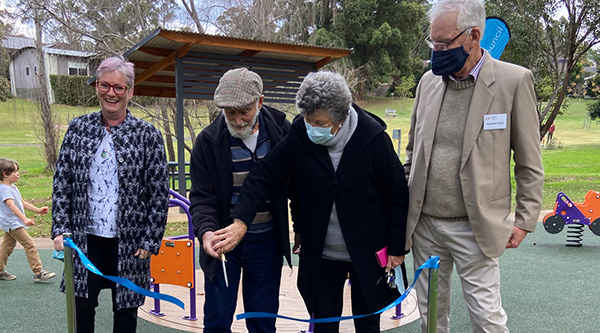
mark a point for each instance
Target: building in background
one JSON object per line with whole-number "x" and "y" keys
{"x": 59, "y": 61}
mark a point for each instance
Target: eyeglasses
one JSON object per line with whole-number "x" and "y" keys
{"x": 104, "y": 87}
{"x": 442, "y": 46}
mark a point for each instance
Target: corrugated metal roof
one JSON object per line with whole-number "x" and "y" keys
{"x": 206, "y": 57}
{"x": 72, "y": 53}
{"x": 159, "y": 40}
{"x": 17, "y": 43}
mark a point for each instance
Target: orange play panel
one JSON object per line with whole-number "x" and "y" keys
{"x": 174, "y": 263}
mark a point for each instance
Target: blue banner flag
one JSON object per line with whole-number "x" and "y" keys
{"x": 496, "y": 36}
{"x": 432, "y": 262}
{"x": 122, "y": 281}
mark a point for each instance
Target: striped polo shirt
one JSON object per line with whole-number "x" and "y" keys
{"x": 243, "y": 160}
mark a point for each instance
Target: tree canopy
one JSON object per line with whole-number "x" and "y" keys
{"x": 103, "y": 26}
{"x": 384, "y": 34}
{"x": 550, "y": 37}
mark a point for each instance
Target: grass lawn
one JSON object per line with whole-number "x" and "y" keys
{"x": 574, "y": 168}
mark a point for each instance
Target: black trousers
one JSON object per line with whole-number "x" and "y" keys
{"x": 330, "y": 298}
{"x": 103, "y": 253}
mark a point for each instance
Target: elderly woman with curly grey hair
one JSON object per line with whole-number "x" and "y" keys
{"x": 349, "y": 199}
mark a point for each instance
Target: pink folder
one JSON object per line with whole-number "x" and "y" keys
{"x": 382, "y": 257}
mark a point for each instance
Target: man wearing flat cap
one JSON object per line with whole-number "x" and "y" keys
{"x": 224, "y": 153}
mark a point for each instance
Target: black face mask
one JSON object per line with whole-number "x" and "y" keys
{"x": 448, "y": 62}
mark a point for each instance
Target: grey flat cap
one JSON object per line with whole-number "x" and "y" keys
{"x": 238, "y": 88}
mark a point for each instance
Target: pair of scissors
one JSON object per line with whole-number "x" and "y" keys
{"x": 223, "y": 260}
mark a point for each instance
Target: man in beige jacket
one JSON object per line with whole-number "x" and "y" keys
{"x": 471, "y": 113}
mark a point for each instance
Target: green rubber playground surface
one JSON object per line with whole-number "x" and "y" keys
{"x": 546, "y": 287}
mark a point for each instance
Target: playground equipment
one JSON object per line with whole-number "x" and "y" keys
{"x": 574, "y": 216}
{"x": 175, "y": 262}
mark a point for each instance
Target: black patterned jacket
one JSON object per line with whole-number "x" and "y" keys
{"x": 143, "y": 195}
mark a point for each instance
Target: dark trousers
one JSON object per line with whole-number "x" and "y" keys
{"x": 103, "y": 253}
{"x": 330, "y": 298}
{"x": 261, "y": 258}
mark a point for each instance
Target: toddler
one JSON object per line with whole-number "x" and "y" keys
{"x": 14, "y": 222}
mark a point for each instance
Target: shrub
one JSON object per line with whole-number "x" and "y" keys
{"x": 594, "y": 110}
{"x": 4, "y": 89}
{"x": 553, "y": 144}
{"x": 73, "y": 90}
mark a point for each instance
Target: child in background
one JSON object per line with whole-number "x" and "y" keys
{"x": 14, "y": 222}
{"x": 550, "y": 133}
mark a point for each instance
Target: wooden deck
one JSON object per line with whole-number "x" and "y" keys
{"x": 291, "y": 304}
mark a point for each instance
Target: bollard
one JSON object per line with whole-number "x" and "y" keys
{"x": 432, "y": 302}
{"x": 70, "y": 287}
{"x": 396, "y": 135}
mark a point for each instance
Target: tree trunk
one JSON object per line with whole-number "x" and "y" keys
{"x": 560, "y": 98}
{"x": 190, "y": 127}
{"x": 191, "y": 10}
{"x": 164, "y": 110}
{"x": 50, "y": 130}
{"x": 138, "y": 14}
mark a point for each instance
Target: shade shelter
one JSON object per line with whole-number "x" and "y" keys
{"x": 186, "y": 65}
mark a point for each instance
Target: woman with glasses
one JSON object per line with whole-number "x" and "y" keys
{"x": 110, "y": 192}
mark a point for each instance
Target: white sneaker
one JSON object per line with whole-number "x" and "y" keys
{"x": 7, "y": 276}
{"x": 43, "y": 276}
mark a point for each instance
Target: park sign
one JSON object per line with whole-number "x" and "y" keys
{"x": 496, "y": 36}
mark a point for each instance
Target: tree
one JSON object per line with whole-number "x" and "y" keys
{"x": 297, "y": 21}
{"x": 190, "y": 8}
{"x": 594, "y": 110}
{"x": 254, "y": 20}
{"x": 551, "y": 45}
{"x": 593, "y": 86}
{"x": 593, "y": 56}
{"x": 577, "y": 82}
{"x": 30, "y": 11}
{"x": 384, "y": 35}
{"x": 104, "y": 26}
{"x": 5, "y": 29}
{"x": 404, "y": 89}
{"x": 48, "y": 119}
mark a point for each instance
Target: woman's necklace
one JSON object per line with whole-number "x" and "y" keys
{"x": 105, "y": 149}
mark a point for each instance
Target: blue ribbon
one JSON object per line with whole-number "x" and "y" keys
{"x": 432, "y": 262}
{"x": 122, "y": 281}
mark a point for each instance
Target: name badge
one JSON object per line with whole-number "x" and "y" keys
{"x": 494, "y": 121}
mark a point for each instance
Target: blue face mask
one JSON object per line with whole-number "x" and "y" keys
{"x": 319, "y": 135}
{"x": 448, "y": 62}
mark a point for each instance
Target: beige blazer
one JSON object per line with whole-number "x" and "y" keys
{"x": 485, "y": 174}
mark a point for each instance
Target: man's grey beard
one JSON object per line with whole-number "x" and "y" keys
{"x": 246, "y": 131}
